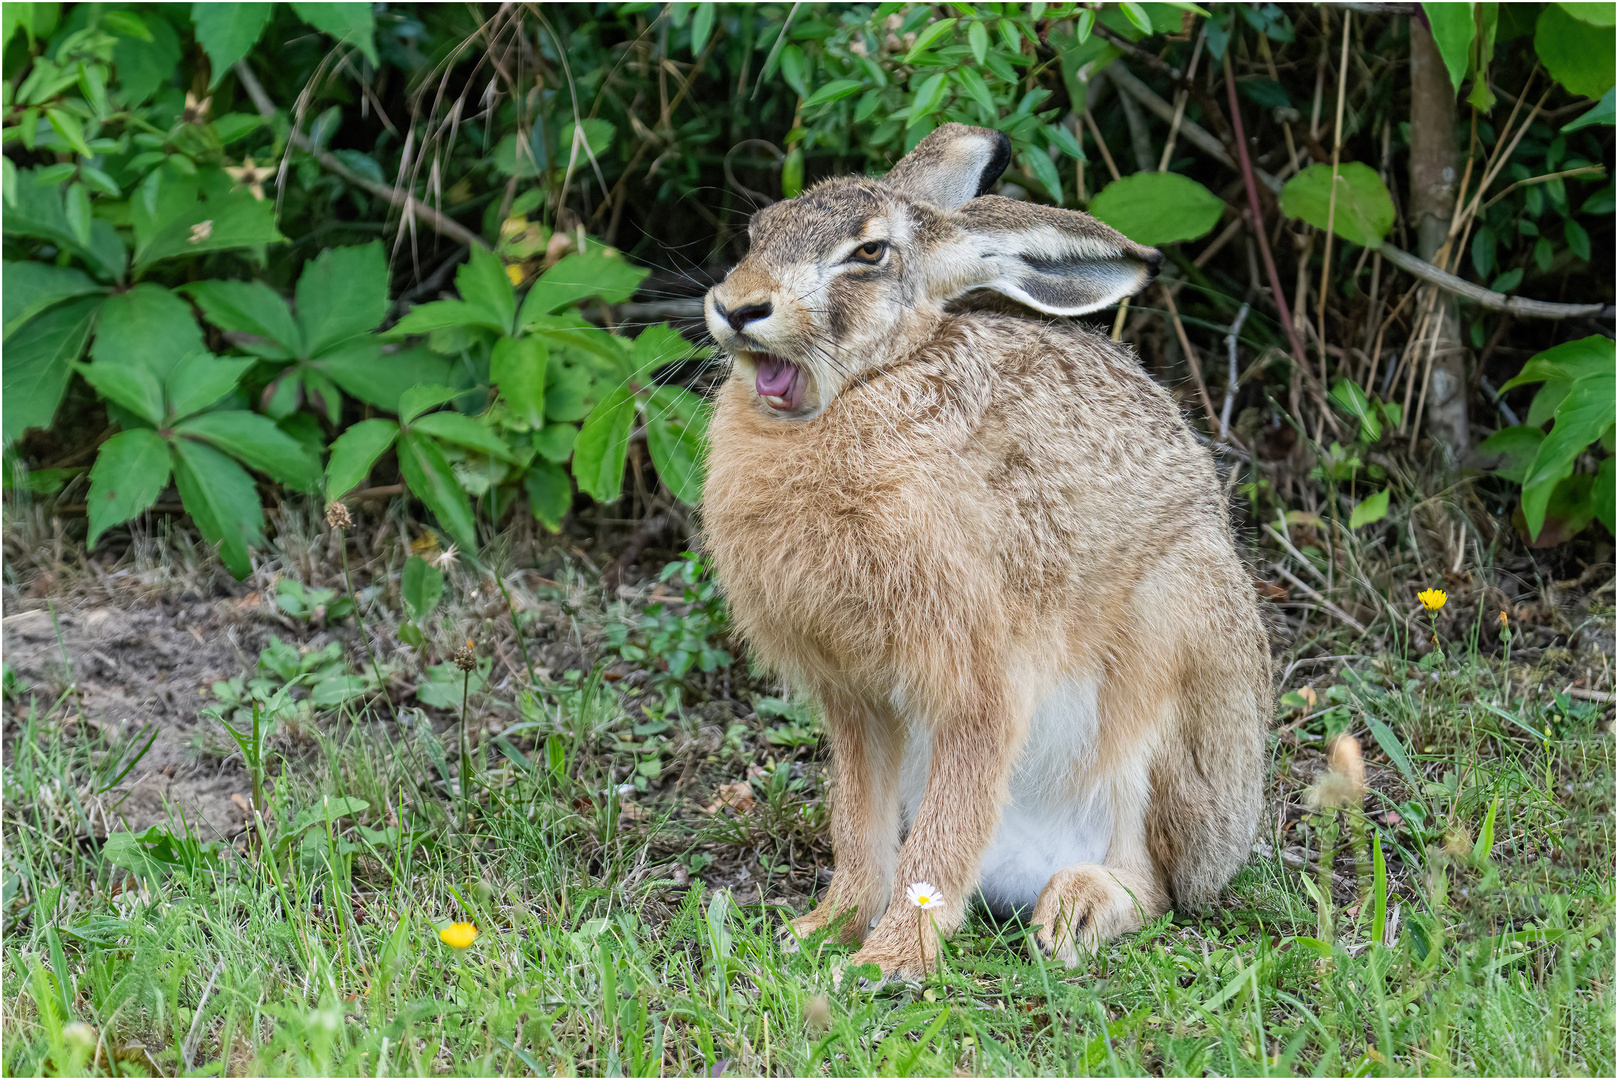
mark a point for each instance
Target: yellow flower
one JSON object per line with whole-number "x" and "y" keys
{"x": 1503, "y": 620}
{"x": 1433, "y": 599}
{"x": 459, "y": 935}
{"x": 514, "y": 272}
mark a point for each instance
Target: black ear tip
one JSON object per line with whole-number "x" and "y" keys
{"x": 998, "y": 160}
{"x": 1154, "y": 261}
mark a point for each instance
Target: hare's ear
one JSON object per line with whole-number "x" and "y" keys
{"x": 952, "y": 164}
{"x": 1061, "y": 262}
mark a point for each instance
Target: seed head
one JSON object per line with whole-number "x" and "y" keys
{"x": 466, "y": 658}
{"x": 337, "y": 515}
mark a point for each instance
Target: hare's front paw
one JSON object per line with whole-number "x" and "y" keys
{"x": 1083, "y": 906}
{"x": 811, "y": 922}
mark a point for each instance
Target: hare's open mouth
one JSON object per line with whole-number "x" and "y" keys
{"x": 778, "y": 381}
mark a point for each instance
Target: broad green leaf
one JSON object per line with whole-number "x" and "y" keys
{"x": 1371, "y": 509}
{"x": 249, "y": 307}
{"x": 418, "y": 399}
{"x": 1391, "y": 746}
{"x": 223, "y": 501}
{"x": 1157, "y": 208}
{"x": 437, "y": 315}
{"x": 1364, "y": 211}
{"x": 1602, "y": 497}
{"x": 701, "y": 26}
{"x": 132, "y": 386}
{"x": 143, "y": 64}
{"x": 517, "y": 366}
{"x": 578, "y": 143}
{"x": 342, "y": 295}
{"x": 377, "y": 378}
{"x": 975, "y": 87}
{"x": 131, "y": 471}
{"x": 928, "y": 97}
{"x": 1454, "y": 26}
{"x": 1594, "y": 14}
{"x": 1601, "y": 114}
{"x": 430, "y": 479}
{"x": 1039, "y": 163}
{"x": 1577, "y": 54}
{"x": 39, "y": 362}
{"x": 1584, "y": 416}
{"x": 836, "y": 90}
{"x": 210, "y": 221}
{"x": 348, "y": 23}
{"x": 925, "y": 39}
{"x": 34, "y": 207}
{"x": 148, "y": 327}
{"x": 227, "y": 31}
{"x": 421, "y": 585}
{"x": 550, "y": 493}
{"x": 555, "y": 443}
{"x": 1515, "y": 447}
{"x": 354, "y": 452}
{"x": 201, "y": 379}
{"x": 328, "y": 809}
{"x": 462, "y": 430}
{"x": 676, "y": 430}
{"x": 31, "y": 287}
{"x": 486, "y": 290}
{"x": 658, "y": 346}
{"x": 1566, "y": 362}
{"x": 256, "y": 441}
{"x": 978, "y": 37}
{"x": 599, "y": 272}
{"x": 1348, "y": 395}
{"x": 603, "y": 444}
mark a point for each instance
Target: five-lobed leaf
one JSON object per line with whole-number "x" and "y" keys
{"x": 31, "y": 287}
{"x": 147, "y": 327}
{"x": 418, "y": 399}
{"x": 252, "y": 308}
{"x": 255, "y": 440}
{"x": 132, "y": 386}
{"x": 131, "y": 470}
{"x": 200, "y": 380}
{"x": 223, "y": 501}
{"x": 39, "y": 363}
{"x": 354, "y": 452}
{"x": 342, "y": 295}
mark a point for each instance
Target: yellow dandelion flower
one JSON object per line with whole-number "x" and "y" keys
{"x": 514, "y": 272}
{"x": 459, "y": 935}
{"x": 1433, "y": 599}
{"x": 1503, "y": 620}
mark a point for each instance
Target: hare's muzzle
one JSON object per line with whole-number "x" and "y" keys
{"x": 779, "y": 382}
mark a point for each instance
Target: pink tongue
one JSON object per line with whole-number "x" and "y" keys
{"x": 777, "y": 378}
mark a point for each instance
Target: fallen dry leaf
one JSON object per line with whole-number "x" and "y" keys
{"x": 738, "y": 796}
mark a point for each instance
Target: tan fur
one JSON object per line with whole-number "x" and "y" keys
{"x": 967, "y": 510}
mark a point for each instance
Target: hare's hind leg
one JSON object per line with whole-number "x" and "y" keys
{"x": 867, "y": 743}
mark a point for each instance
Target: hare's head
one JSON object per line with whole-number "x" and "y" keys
{"x": 854, "y": 272}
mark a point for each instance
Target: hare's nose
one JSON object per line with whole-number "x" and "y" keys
{"x": 739, "y": 318}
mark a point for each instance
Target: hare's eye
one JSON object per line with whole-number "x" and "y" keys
{"x": 869, "y": 253}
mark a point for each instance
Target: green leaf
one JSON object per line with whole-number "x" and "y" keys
{"x": 227, "y": 220}
{"x": 1364, "y": 210}
{"x": 1602, "y": 497}
{"x": 418, "y": 399}
{"x": 1348, "y": 395}
{"x": 701, "y": 27}
{"x": 1576, "y": 54}
{"x": 1566, "y": 362}
{"x": 603, "y": 444}
{"x": 222, "y": 500}
{"x": 39, "y": 362}
{"x": 227, "y": 31}
{"x": 676, "y": 433}
{"x": 925, "y": 39}
{"x": 1379, "y": 889}
{"x": 1594, "y": 14}
{"x": 342, "y": 295}
{"x": 977, "y": 35}
{"x": 1515, "y": 447}
{"x": 34, "y": 208}
{"x": 147, "y": 327}
{"x": 201, "y": 379}
{"x": 550, "y": 493}
{"x": 1158, "y": 208}
{"x": 437, "y": 315}
{"x": 836, "y": 90}
{"x": 133, "y": 387}
{"x": 555, "y": 443}
{"x": 658, "y": 346}
{"x": 354, "y": 452}
{"x": 975, "y": 87}
{"x": 249, "y": 307}
{"x": 1454, "y": 26}
{"x": 593, "y": 138}
{"x": 929, "y": 96}
{"x": 1390, "y": 744}
{"x": 1601, "y": 114}
{"x": 131, "y": 471}
{"x": 517, "y": 366}
{"x": 255, "y": 440}
{"x": 365, "y": 371}
{"x": 31, "y": 287}
{"x": 1040, "y": 164}
{"x": 486, "y": 290}
{"x": 1584, "y": 416}
{"x": 421, "y": 585}
{"x": 463, "y": 430}
{"x": 1371, "y": 509}
{"x": 430, "y": 479}
{"x": 348, "y": 23}
{"x": 600, "y": 272}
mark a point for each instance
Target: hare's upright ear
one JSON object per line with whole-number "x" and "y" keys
{"x": 1061, "y": 262}
{"x": 952, "y": 164}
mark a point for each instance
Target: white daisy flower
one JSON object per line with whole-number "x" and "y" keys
{"x": 922, "y": 894}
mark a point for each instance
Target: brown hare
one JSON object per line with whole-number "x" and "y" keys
{"x": 991, "y": 549}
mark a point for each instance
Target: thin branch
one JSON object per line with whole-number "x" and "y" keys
{"x": 1516, "y": 305}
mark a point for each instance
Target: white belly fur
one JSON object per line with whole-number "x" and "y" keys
{"x": 1051, "y": 821}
